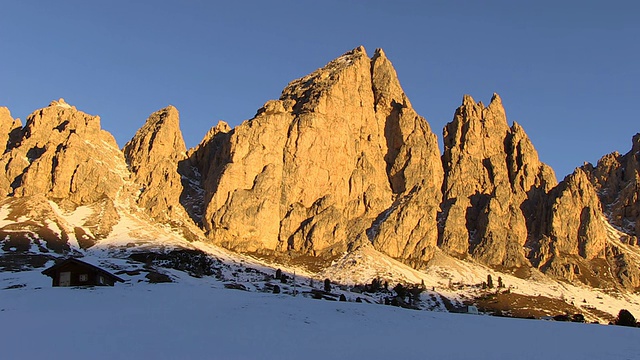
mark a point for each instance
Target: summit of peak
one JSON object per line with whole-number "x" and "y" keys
{"x": 59, "y": 103}
{"x": 379, "y": 53}
{"x": 468, "y": 100}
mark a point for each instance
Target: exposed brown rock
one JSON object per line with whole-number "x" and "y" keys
{"x": 9, "y": 129}
{"x": 315, "y": 169}
{"x": 576, "y": 223}
{"x": 157, "y": 158}
{"x": 340, "y": 162}
{"x": 153, "y": 155}
{"x": 9, "y": 133}
{"x": 493, "y": 183}
{"x": 406, "y": 230}
{"x": 211, "y": 154}
{"x": 63, "y": 154}
{"x": 319, "y": 143}
{"x": 617, "y": 180}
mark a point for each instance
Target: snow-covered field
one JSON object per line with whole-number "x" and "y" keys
{"x": 199, "y": 319}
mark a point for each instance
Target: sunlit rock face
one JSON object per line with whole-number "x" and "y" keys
{"x": 340, "y": 162}
{"x": 494, "y": 186}
{"x": 339, "y": 159}
{"x": 62, "y": 153}
{"x": 61, "y": 157}
{"x": 616, "y": 178}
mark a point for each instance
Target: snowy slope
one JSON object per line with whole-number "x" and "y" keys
{"x": 196, "y": 318}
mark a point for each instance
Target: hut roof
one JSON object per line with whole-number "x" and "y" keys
{"x": 51, "y": 271}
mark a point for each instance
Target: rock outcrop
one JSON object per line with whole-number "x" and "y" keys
{"x": 304, "y": 166}
{"x": 336, "y": 160}
{"x": 153, "y": 155}
{"x": 494, "y": 186}
{"x": 157, "y": 159}
{"x": 10, "y": 130}
{"x": 407, "y": 230}
{"x": 576, "y": 223}
{"x": 578, "y": 244}
{"x": 64, "y": 156}
{"x": 617, "y": 181}
{"x": 63, "y": 153}
{"x": 616, "y": 178}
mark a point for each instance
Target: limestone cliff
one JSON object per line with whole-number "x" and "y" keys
{"x": 577, "y": 243}
{"x": 617, "y": 181}
{"x": 62, "y": 154}
{"x": 306, "y": 165}
{"x": 616, "y": 178}
{"x": 153, "y": 155}
{"x": 340, "y": 162}
{"x": 10, "y": 130}
{"x": 336, "y": 160}
{"x": 407, "y": 230}
{"x": 157, "y": 158}
{"x": 493, "y": 186}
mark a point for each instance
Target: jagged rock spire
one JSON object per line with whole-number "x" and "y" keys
{"x": 316, "y": 170}
{"x": 493, "y": 180}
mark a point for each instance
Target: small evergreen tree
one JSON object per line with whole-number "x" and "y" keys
{"x": 327, "y": 285}
{"x": 489, "y": 281}
{"x": 278, "y": 274}
{"x": 376, "y": 285}
{"x": 343, "y": 298}
{"x": 400, "y": 290}
{"x": 500, "y": 284}
{"x": 276, "y": 289}
{"x": 415, "y": 294}
{"x": 625, "y": 318}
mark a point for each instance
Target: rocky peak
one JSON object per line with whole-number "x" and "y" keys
{"x": 10, "y": 130}
{"x": 526, "y": 171}
{"x": 616, "y": 178}
{"x": 327, "y": 160}
{"x": 63, "y": 153}
{"x": 574, "y": 243}
{"x": 316, "y": 92}
{"x": 154, "y": 155}
{"x": 577, "y": 226}
{"x": 386, "y": 86}
{"x": 493, "y": 185}
{"x": 209, "y": 156}
{"x": 312, "y": 160}
{"x": 405, "y": 230}
{"x": 60, "y": 103}
{"x": 635, "y": 149}
{"x": 157, "y": 140}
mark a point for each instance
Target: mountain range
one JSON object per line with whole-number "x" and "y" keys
{"x": 341, "y": 164}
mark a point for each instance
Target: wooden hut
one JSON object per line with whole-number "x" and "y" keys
{"x": 73, "y": 272}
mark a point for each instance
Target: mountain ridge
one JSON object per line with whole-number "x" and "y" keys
{"x": 339, "y": 162}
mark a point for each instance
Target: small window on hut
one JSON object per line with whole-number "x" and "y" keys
{"x": 84, "y": 277}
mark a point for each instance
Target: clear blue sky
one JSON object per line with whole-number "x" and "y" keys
{"x": 567, "y": 71}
